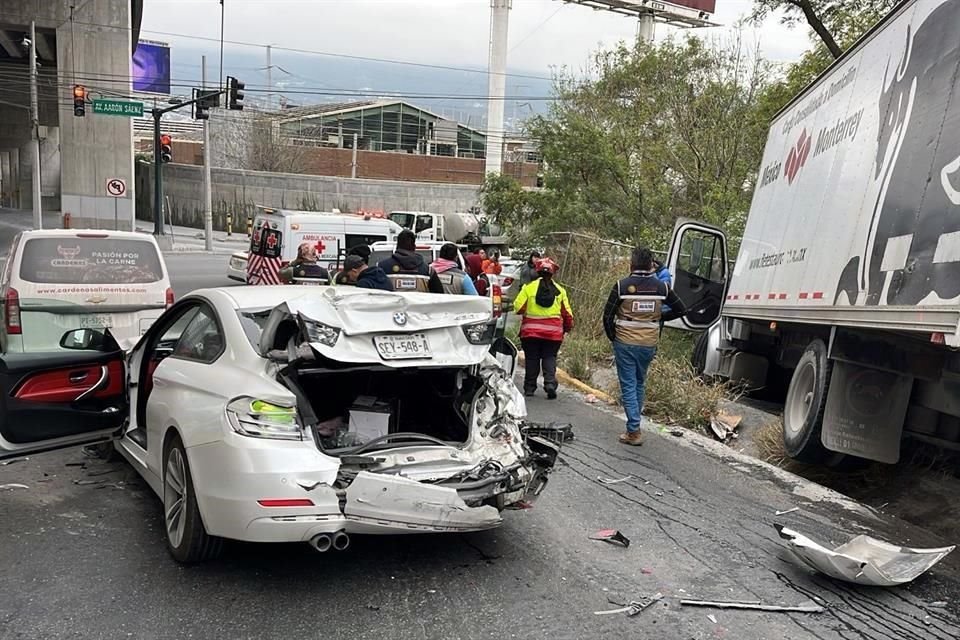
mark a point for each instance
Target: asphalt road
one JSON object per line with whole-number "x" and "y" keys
{"x": 83, "y": 555}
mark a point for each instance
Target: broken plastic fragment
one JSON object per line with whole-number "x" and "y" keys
{"x": 14, "y": 485}
{"x": 783, "y": 513}
{"x": 602, "y": 480}
{"x": 13, "y": 461}
{"x": 712, "y": 618}
{"x": 612, "y": 536}
{"x": 864, "y": 560}
{"x": 634, "y": 607}
{"x": 754, "y": 604}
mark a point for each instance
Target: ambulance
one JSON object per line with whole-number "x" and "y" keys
{"x": 277, "y": 233}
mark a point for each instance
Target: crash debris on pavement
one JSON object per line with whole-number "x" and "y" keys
{"x": 724, "y": 426}
{"x": 632, "y": 608}
{"x": 612, "y": 536}
{"x": 864, "y": 560}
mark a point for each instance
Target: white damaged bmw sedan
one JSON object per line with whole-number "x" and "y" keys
{"x": 277, "y": 414}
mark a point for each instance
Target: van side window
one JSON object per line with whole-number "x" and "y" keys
{"x": 355, "y": 240}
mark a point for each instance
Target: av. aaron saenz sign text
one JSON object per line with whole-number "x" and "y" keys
{"x": 118, "y": 108}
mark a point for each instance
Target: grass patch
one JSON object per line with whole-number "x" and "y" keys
{"x": 676, "y": 395}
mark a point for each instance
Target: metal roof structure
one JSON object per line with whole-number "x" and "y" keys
{"x": 381, "y": 125}
{"x": 680, "y": 13}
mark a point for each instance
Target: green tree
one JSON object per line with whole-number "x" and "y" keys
{"x": 654, "y": 133}
{"x": 837, "y": 23}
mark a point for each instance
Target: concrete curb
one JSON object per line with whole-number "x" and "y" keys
{"x": 579, "y": 385}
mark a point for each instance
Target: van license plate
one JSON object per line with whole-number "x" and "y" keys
{"x": 95, "y": 322}
{"x": 402, "y": 347}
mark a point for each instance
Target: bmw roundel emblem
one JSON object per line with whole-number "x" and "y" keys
{"x": 400, "y": 318}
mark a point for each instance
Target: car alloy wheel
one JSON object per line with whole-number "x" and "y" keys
{"x": 175, "y": 497}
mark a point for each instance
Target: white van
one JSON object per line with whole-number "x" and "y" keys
{"x": 65, "y": 279}
{"x": 277, "y": 234}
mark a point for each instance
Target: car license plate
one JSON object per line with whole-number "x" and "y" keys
{"x": 402, "y": 347}
{"x": 95, "y": 322}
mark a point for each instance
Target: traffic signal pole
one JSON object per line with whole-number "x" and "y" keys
{"x": 158, "y": 220}
{"x": 157, "y": 178}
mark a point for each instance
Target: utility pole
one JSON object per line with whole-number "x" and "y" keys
{"x": 353, "y": 164}
{"x": 35, "y": 130}
{"x": 269, "y": 79}
{"x": 645, "y": 28}
{"x": 497, "y": 83}
{"x": 207, "y": 184}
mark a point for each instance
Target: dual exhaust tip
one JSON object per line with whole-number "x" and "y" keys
{"x": 323, "y": 542}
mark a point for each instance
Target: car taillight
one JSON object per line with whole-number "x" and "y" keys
{"x": 497, "y": 294}
{"x": 170, "y": 297}
{"x": 11, "y": 311}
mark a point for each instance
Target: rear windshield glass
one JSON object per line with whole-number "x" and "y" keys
{"x": 72, "y": 260}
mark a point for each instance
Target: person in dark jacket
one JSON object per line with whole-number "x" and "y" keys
{"x": 305, "y": 266}
{"x": 407, "y": 269}
{"x": 361, "y": 250}
{"x": 528, "y": 272}
{"x": 631, "y": 320}
{"x": 358, "y": 273}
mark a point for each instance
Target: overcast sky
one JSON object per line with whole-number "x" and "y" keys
{"x": 543, "y": 33}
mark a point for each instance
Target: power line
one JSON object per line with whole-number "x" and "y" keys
{"x": 345, "y": 56}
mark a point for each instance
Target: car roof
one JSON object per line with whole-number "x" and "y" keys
{"x": 79, "y": 233}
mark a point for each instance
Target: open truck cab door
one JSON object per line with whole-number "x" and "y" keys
{"x": 698, "y": 263}
{"x": 55, "y": 400}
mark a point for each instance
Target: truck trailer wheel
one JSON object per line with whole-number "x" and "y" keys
{"x": 803, "y": 410}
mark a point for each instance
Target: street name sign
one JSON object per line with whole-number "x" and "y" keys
{"x": 118, "y": 108}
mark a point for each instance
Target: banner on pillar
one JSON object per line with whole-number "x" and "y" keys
{"x": 151, "y": 67}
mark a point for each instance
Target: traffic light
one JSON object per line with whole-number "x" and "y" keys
{"x": 166, "y": 148}
{"x": 235, "y": 88}
{"x": 200, "y": 106}
{"x": 79, "y": 100}
{"x": 205, "y": 100}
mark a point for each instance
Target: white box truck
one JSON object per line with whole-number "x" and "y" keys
{"x": 846, "y": 290}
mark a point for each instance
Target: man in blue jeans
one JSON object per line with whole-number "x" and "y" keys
{"x": 631, "y": 319}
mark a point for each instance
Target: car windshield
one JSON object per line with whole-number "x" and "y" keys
{"x": 81, "y": 260}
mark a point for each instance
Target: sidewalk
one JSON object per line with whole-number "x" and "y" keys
{"x": 188, "y": 239}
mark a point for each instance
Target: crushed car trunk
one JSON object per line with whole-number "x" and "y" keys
{"x": 356, "y": 406}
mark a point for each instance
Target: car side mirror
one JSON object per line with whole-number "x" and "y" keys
{"x": 83, "y": 340}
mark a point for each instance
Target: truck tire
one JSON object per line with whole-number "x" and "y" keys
{"x": 805, "y": 403}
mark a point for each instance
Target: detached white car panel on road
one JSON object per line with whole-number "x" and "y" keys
{"x": 309, "y": 414}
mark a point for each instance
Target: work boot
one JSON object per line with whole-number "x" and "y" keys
{"x": 528, "y": 392}
{"x": 632, "y": 438}
{"x": 551, "y": 394}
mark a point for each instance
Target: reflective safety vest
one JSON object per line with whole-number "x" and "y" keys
{"x": 637, "y": 319}
{"x": 451, "y": 280}
{"x": 409, "y": 282}
{"x": 548, "y": 323}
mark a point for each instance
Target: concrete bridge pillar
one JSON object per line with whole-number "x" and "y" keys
{"x": 96, "y": 148}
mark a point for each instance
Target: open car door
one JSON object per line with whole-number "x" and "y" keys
{"x": 55, "y": 400}
{"x": 698, "y": 263}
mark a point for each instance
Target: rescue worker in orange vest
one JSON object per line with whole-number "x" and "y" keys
{"x": 631, "y": 319}
{"x": 547, "y": 317}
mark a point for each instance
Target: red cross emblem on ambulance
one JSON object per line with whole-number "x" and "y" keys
{"x": 272, "y": 240}
{"x": 320, "y": 246}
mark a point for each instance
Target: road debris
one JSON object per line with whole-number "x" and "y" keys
{"x": 939, "y": 604}
{"x": 552, "y": 431}
{"x": 864, "y": 560}
{"x": 679, "y": 433}
{"x": 13, "y": 461}
{"x": 86, "y": 482}
{"x": 783, "y": 513}
{"x": 603, "y": 480}
{"x": 82, "y": 465}
{"x": 712, "y": 618}
{"x": 631, "y": 608}
{"x": 724, "y": 426}
{"x": 753, "y": 604}
{"x": 646, "y": 572}
{"x": 612, "y": 536}
{"x": 13, "y": 485}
